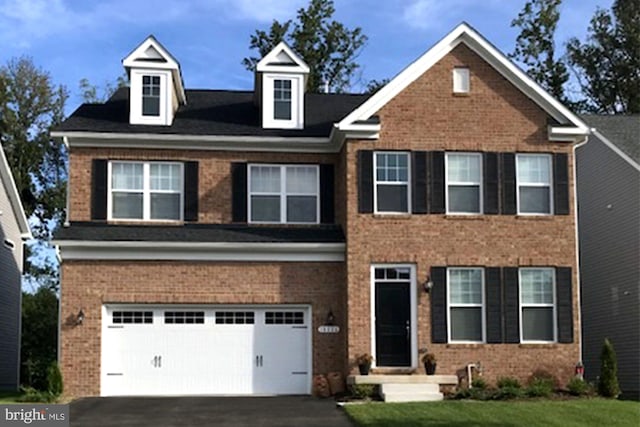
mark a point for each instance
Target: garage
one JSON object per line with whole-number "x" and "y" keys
{"x": 205, "y": 350}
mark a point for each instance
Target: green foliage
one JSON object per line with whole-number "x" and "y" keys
{"x": 578, "y": 387}
{"x": 90, "y": 91}
{"x": 504, "y": 382}
{"x": 362, "y": 391}
{"x": 54, "y": 379}
{"x": 535, "y": 46}
{"x": 507, "y": 393}
{"x": 30, "y": 395}
{"x": 479, "y": 383}
{"x": 608, "y": 381}
{"x": 540, "y": 387}
{"x": 607, "y": 64}
{"x": 39, "y": 337}
{"x": 326, "y": 45}
{"x": 375, "y": 85}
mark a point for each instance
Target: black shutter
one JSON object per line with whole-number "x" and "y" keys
{"x": 493, "y": 290}
{"x": 508, "y": 163}
{"x": 99, "y": 189}
{"x": 365, "y": 181}
{"x": 439, "y": 305}
{"x": 326, "y": 194}
{"x": 511, "y": 305}
{"x": 490, "y": 181}
{"x": 560, "y": 184}
{"x": 239, "y": 192}
{"x": 419, "y": 175}
{"x": 191, "y": 191}
{"x": 565, "y": 306}
{"x": 436, "y": 182}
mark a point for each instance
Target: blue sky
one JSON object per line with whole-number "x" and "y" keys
{"x": 73, "y": 39}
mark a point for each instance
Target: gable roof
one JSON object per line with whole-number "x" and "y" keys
{"x": 6, "y": 180}
{"x": 570, "y": 124}
{"x": 152, "y": 54}
{"x": 282, "y": 58}
{"x": 620, "y": 131}
{"x": 211, "y": 112}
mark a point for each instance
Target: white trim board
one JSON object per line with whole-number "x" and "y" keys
{"x": 201, "y": 251}
{"x": 6, "y": 178}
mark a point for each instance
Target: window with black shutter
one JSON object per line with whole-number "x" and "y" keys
{"x": 438, "y": 296}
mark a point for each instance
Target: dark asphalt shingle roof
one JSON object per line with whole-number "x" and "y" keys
{"x": 213, "y": 112}
{"x": 621, "y": 130}
{"x": 201, "y": 233}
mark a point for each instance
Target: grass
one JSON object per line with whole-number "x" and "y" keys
{"x": 9, "y": 397}
{"x": 567, "y": 413}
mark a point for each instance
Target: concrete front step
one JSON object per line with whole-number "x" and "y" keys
{"x": 403, "y": 379}
{"x": 410, "y": 392}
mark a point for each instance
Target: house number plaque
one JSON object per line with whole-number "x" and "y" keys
{"x": 328, "y": 329}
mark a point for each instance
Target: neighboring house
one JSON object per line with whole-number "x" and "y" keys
{"x": 608, "y": 177}
{"x": 13, "y": 230}
{"x": 213, "y": 232}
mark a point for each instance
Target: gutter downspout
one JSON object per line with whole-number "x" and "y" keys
{"x": 575, "y": 210}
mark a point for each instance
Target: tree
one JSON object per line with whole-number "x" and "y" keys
{"x": 327, "y": 46}
{"x": 90, "y": 92}
{"x": 608, "y": 381}
{"x": 375, "y": 85}
{"x": 607, "y": 64}
{"x": 535, "y": 47}
{"x": 30, "y": 105}
{"x": 39, "y": 336}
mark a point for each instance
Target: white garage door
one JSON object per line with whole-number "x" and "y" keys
{"x": 177, "y": 350}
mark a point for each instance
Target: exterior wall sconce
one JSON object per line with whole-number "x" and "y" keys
{"x": 80, "y": 317}
{"x": 330, "y": 318}
{"x": 428, "y": 284}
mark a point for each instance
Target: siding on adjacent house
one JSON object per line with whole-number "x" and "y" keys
{"x": 10, "y": 294}
{"x": 609, "y": 225}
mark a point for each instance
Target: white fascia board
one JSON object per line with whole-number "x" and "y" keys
{"x": 467, "y": 35}
{"x": 198, "y": 142}
{"x": 14, "y": 197}
{"x": 566, "y": 134}
{"x": 272, "y": 57}
{"x": 201, "y": 251}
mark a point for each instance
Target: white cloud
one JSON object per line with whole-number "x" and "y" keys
{"x": 438, "y": 14}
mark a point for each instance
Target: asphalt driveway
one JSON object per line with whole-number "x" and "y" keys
{"x": 281, "y": 411}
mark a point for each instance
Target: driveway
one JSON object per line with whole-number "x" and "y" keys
{"x": 281, "y": 411}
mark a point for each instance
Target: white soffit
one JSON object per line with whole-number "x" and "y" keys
{"x": 463, "y": 33}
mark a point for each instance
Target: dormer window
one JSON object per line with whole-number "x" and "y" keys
{"x": 282, "y": 99}
{"x": 151, "y": 95}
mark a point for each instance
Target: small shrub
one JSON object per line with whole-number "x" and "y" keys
{"x": 578, "y": 387}
{"x": 479, "y": 384}
{"x": 54, "y": 378}
{"x": 31, "y": 395}
{"x": 540, "y": 387}
{"x": 463, "y": 393}
{"x": 507, "y": 393}
{"x": 608, "y": 383}
{"x": 363, "y": 391}
{"x": 508, "y": 382}
{"x": 477, "y": 393}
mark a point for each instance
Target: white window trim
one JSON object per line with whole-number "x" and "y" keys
{"x": 465, "y": 74}
{"x": 550, "y": 185}
{"x": 462, "y": 183}
{"x": 297, "y": 102}
{"x": 555, "y": 306}
{"x": 283, "y": 193}
{"x": 146, "y": 191}
{"x": 376, "y": 183}
{"x": 483, "y": 307}
{"x": 135, "y": 98}
{"x": 413, "y": 291}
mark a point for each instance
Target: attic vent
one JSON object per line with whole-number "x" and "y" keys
{"x": 460, "y": 80}
{"x": 9, "y": 244}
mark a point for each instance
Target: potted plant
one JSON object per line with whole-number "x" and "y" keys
{"x": 429, "y": 361}
{"x": 364, "y": 363}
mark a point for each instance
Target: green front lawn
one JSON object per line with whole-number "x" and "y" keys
{"x": 9, "y": 396}
{"x": 579, "y": 413}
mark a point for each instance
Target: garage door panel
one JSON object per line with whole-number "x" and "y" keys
{"x": 206, "y": 350}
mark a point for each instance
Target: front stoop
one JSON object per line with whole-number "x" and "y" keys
{"x": 407, "y": 388}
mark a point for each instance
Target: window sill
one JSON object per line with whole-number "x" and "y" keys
{"x": 541, "y": 217}
{"x": 548, "y": 345}
{"x": 461, "y": 94}
{"x": 392, "y": 215}
{"x": 466, "y": 217}
{"x": 465, "y": 345}
{"x": 144, "y": 222}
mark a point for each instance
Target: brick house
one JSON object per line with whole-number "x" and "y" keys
{"x": 213, "y": 233}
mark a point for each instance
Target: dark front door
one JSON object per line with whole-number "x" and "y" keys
{"x": 393, "y": 324}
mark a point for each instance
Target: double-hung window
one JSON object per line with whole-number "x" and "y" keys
{"x": 150, "y": 95}
{"x": 537, "y": 304}
{"x": 284, "y": 194}
{"x": 146, "y": 190}
{"x": 391, "y": 179}
{"x": 466, "y": 304}
{"x": 534, "y": 178}
{"x": 282, "y": 99}
{"x": 464, "y": 183}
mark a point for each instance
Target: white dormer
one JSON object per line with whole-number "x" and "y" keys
{"x": 281, "y": 80}
{"x": 156, "y": 89}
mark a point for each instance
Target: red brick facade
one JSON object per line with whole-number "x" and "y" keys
{"x": 426, "y": 116}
